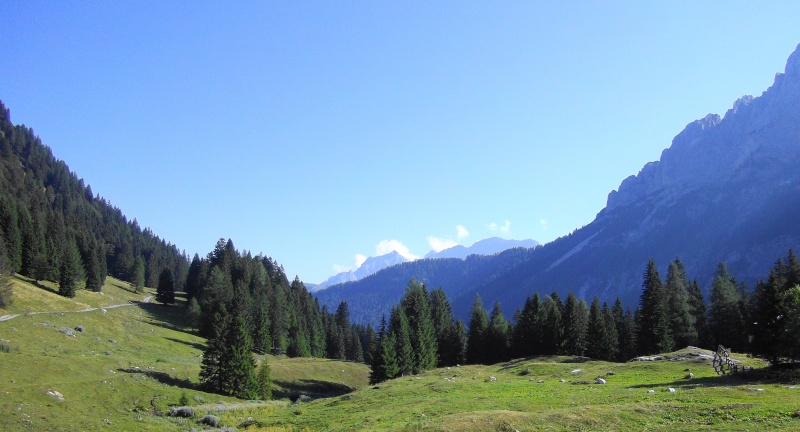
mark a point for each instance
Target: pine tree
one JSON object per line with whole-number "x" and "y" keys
{"x": 264, "y": 379}
{"x": 384, "y": 359}
{"x": 653, "y": 325}
{"x": 262, "y": 340}
{"x": 612, "y": 348}
{"x": 725, "y": 316}
{"x": 681, "y": 320}
{"x": 193, "y": 313}
{"x": 70, "y": 271}
{"x": 553, "y": 330}
{"x": 526, "y": 338}
{"x": 575, "y": 321}
{"x": 457, "y": 343}
{"x": 498, "y": 336}
{"x": 138, "y": 275}
{"x": 165, "y": 291}
{"x": 597, "y": 337}
{"x": 442, "y": 320}
{"x": 697, "y": 307}
{"x": 239, "y": 366}
{"x": 401, "y": 334}
{"x": 476, "y": 339}
{"x": 628, "y": 347}
{"x": 212, "y": 376}
{"x": 6, "y": 289}
{"x": 416, "y": 306}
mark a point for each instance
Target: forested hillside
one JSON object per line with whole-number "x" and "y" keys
{"x": 53, "y": 225}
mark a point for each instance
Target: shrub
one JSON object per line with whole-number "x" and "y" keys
{"x": 209, "y": 420}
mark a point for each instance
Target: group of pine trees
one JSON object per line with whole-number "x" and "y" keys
{"x": 672, "y": 314}
{"x": 245, "y": 304}
{"x": 53, "y": 227}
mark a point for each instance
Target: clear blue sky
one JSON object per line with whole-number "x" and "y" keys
{"x": 315, "y": 131}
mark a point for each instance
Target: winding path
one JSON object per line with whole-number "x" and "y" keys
{"x": 131, "y": 303}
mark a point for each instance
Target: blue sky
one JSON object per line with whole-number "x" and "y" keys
{"x": 322, "y": 132}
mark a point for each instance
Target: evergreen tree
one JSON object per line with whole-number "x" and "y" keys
{"x": 575, "y": 321}
{"x": 193, "y": 313}
{"x": 165, "y": 291}
{"x": 725, "y": 315}
{"x": 526, "y": 338}
{"x": 457, "y": 343}
{"x": 239, "y": 366}
{"x": 773, "y": 313}
{"x": 442, "y": 320}
{"x": 138, "y": 275}
{"x": 697, "y": 306}
{"x": 612, "y": 347}
{"x": 70, "y": 271}
{"x": 553, "y": 330}
{"x": 262, "y": 340}
{"x": 681, "y": 319}
{"x": 400, "y": 332}
{"x": 476, "y": 337}
{"x": 653, "y": 324}
{"x": 416, "y": 306}
{"x": 6, "y": 289}
{"x": 212, "y": 373}
{"x": 789, "y": 339}
{"x": 264, "y": 379}
{"x": 384, "y": 359}
{"x": 498, "y": 336}
{"x": 597, "y": 337}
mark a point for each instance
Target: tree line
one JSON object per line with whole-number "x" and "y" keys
{"x": 672, "y": 314}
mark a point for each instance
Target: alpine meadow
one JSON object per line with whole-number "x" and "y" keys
{"x": 676, "y": 308}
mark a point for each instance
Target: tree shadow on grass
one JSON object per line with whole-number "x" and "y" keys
{"x": 195, "y": 345}
{"x": 163, "y": 378}
{"x": 169, "y": 317}
{"x": 314, "y": 389}
{"x": 716, "y": 381}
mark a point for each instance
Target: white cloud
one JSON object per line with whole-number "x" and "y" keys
{"x": 386, "y": 246}
{"x": 461, "y": 232}
{"x": 439, "y": 244}
{"x": 544, "y": 224}
{"x": 506, "y": 227}
{"x": 359, "y": 259}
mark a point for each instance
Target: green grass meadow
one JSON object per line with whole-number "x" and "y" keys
{"x": 132, "y": 363}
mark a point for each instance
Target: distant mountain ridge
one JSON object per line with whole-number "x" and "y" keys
{"x": 488, "y": 246}
{"x": 368, "y": 267}
{"x": 727, "y": 189}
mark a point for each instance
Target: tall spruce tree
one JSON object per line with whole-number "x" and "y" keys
{"x": 553, "y": 329}
{"x": 442, "y": 320}
{"x": 697, "y": 306}
{"x": 575, "y": 321}
{"x": 612, "y": 346}
{"x": 597, "y": 337}
{"x": 498, "y": 336}
{"x": 653, "y": 325}
{"x": 681, "y": 319}
{"x": 476, "y": 336}
{"x": 726, "y": 321}
{"x": 416, "y": 305}
{"x": 165, "y": 291}
{"x": 400, "y": 332}
{"x": 264, "y": 380}
{"x": 71, "y": 270}
{"x": 6, "y": 289}
{"x": 526, "y": 337}
{"x": 138, "y": 275}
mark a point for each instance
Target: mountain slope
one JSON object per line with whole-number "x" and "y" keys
{"x": 727, "y": 189}
{"x": 369, "y": 266}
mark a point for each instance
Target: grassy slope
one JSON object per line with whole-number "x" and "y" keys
{"x": 96, "y": 370}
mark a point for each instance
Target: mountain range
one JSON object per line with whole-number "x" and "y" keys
{"x": 373, "y": 265}
{"x": 727, "y": 189}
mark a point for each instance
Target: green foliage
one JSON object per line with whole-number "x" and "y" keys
{"x": 726, "y": 321}
{"x": 653, "y": 320}
{"x": 553, "y": 330}
{"x": 526, "y": 337}
{"x": 165, "y": 292}
{"x": 400, "y": 331}
{"x": 476, "y": 336}
{"x": 575, "y": 321}
{"x": 416, "y": 307}
{"x": 6, "y": 289}
{"x": 681, "y": 319}
{"x": 774, "y": 313}
{"x": 264, "y": 379}
{"x": 138, "y": 274}
{"x": 498, "y": 336}
{"x": 70, "y": 271}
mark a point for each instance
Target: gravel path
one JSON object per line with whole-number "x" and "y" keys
{"x": 144, "y": 300}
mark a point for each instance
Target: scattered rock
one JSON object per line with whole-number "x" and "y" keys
{"x": 760, "y": 390}
{"x": 181, "y": 412}
{"x": 599, "y": 381}
{"x": 649, "y": 358}
{"x": 610, "y": 373}
{"x": 690, "y": 376}
{"x": 492, "y": 379}
{"x": 527, "y": 371}
{"x": 80, "y": 329}
{"x": 112, "y": 341}
{"x": 209, "y": 420}
{"x": 577, "y": 371}
{"x": 671, "y": 390}
{"x": 562, "y": 380}
{"x": 56, "y": 395}
{"x": 540, "y": 381}
{"x": 67, "y": 331}
{"x": 651, "y": 391}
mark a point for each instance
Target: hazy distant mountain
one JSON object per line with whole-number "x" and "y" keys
{"x": 488, "y": 246}
{"x": 370, "y": 266}
{"x": 726, "y": 189}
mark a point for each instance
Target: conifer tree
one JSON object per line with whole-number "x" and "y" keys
{"x": 384, "y": 359}
{"x": 612, "y": 347}
{"x": 597, "y": 337}
{"x": 165, "y": 291}
{"x": 553, "y": 329}
{"x": 442, "y": 320}
{"x": 726, "y": 321}
{"x": 416, "y": 306}
{"x": 138, "y": 275}
{"x": 70, "y": 271}
{"x": 457, "y": 343}
{"x": 476, "y": 339}
{"x": 697, "y": 306}
{"x": 401, "y": 333}
{"x": 239, "y": 366}
{"x": 6, "y": 289}
{"x": 575, "y": 321}
{"x": 264, "y": 379}
{"x": 653, "y": 325}
{"x": 526, "y": 338}
{"x": 498, "y": 336}
{"x": 262, "y": 340}
{"x": 681, "y": 319}
{"x": 212, "y": 375}
{"x": 628, "y": 347}
{"x": 193, "y": 313}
